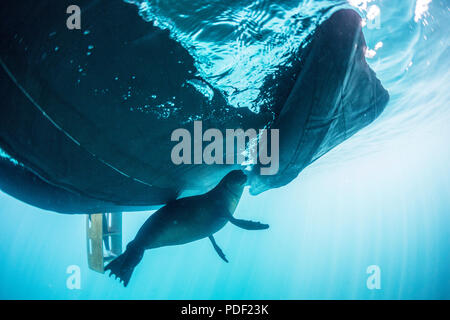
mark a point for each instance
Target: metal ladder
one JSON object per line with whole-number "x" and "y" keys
{"x": 104, "y": 239}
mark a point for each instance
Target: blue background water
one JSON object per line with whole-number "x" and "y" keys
{"x": 381, "y": 198}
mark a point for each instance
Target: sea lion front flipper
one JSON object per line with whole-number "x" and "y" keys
{"x": 248, "y": 225}
{"x": 217, "y": 248}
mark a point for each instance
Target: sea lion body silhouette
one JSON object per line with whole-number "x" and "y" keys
{"x": 186, "y": 220}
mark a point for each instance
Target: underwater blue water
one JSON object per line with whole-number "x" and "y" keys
{"x": 381, "y": 198}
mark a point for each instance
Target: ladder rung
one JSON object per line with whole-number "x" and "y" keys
{"x": 112, "y": 234}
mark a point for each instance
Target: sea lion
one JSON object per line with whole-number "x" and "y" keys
{"x": 186, "y": 220}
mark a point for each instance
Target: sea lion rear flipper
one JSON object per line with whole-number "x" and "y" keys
{"x": 123, "y": 266}
{"x": 248, "y": 225}
{"x": 217, "y": 248}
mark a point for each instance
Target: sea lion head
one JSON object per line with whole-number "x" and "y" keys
{"x": 235, "y": 179}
